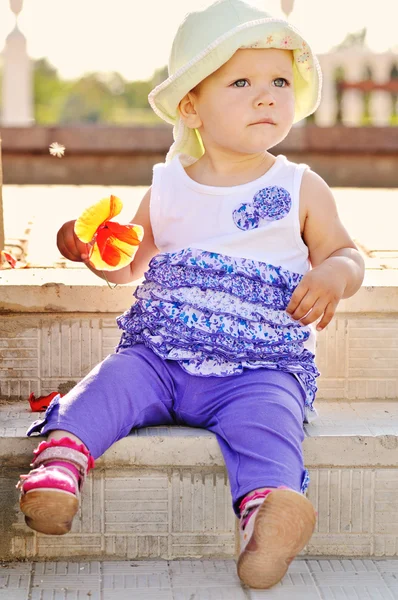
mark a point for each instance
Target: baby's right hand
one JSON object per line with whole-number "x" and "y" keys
{"x": 69, "y": 244}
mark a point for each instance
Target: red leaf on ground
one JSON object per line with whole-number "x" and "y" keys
{"x": 42, "y": 402}
{"x": 6, "y": 256}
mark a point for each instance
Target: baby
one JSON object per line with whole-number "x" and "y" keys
{"x": 244, "y": 257}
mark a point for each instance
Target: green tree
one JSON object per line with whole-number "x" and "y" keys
{"x": 89, "y": 101}
{"x": 136, "y": 94}
{"x": 94, "y": 98}
{"x": 159, "y": 76}
{"x": 49, "y": 92}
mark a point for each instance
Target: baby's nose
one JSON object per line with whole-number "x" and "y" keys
{"x": 265, "y": 97}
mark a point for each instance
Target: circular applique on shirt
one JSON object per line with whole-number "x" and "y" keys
{"x": 246, "y": 216}
{"x": 271, "y": 203}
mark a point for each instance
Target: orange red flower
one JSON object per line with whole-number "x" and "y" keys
{"x": 112, "y": 245}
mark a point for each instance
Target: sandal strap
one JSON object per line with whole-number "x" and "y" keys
{"x": 62, "y": 453}
{"x": 68, "y": 472}
{"x": 41, "y": 469}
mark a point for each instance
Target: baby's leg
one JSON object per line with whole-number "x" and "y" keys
{"x": 130, "y": 389}
{"x": 58, "y": 434}
{"x": 259, "y": 425}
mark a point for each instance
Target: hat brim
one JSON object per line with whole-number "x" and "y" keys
{"x": 261, "y": 33}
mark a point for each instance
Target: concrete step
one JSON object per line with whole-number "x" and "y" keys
{"x": 56, "y": 324}
{"x": 163, "y": 492}
{"x": 307, "y": 579}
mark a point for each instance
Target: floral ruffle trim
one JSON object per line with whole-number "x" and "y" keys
{"x": 222, "y": 264}
{"x": 219, "y": 328}
{"x": 177, "y": 334}
{"x": 222, "y": 301}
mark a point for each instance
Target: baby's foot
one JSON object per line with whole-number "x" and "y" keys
{"x": 50, "y": 493}
{"x": 275, "y": 526}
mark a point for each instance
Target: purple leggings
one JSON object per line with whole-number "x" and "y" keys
{"x": 257, "y": 416}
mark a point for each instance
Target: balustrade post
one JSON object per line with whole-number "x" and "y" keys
{"x": 326, "y": 113}
{"x": 17, "y": 76}
{"x": 380, "y": 102}
{"x": 287, "y": 6}
{"x": 352, "y": 102}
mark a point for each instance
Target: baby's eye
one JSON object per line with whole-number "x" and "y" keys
{"x": 281, "y": 82}
{"x": 238, "y": 83}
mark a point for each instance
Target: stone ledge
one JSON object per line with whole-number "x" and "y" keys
{"x": 357, "y": 434}
{"x": 78, "y": 290}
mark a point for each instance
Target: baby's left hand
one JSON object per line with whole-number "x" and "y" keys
{"x": 317, "y": 295}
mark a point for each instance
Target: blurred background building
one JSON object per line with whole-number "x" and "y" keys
{"x": 83, "y": 63}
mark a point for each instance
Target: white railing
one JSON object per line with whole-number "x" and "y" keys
{"x": 367, "y": 76}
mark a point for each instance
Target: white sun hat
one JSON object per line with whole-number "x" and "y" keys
{"x": 206, "y": 40}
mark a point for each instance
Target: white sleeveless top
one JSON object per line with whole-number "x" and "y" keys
{"x": 230, "y": 258}
{"x": 218, "y": 219}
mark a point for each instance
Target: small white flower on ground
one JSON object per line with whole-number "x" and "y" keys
{"x": 57, "y": 149}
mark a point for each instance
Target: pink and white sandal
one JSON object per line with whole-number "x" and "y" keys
{"x": 275, "y": 525}
{"x": 50, "y": 493}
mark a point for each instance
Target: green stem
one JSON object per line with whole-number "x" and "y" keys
{"x": 112, "y": 287}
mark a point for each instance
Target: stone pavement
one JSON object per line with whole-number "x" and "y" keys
{"x": 34, "y": 214}
{"x": 195, "y": 580}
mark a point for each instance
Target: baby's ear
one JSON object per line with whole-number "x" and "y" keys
{"x": 187, "y": 109}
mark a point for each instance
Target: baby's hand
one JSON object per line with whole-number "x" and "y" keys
{"x": 317, "y": 295}
{"x": 69, "y": 244}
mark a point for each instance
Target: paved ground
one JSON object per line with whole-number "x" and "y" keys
{"x": 35, "y": 213}
{"x": 195, "y": 580}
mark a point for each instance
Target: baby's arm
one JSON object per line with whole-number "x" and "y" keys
{"x": 73, "y": 249}
{"x": 338, "y": 268}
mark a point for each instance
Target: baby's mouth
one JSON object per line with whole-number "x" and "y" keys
{"x": 264, "y": 122}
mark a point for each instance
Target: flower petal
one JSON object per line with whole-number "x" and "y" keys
{"x": 102, "y": 239}
{"x": 96, "y": 260}
{"x": 109, "y": 253}
{"x": 94, "y": 216}
{"x": 130, "y": 233}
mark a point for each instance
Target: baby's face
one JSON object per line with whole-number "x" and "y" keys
{"x": 254, "y": 85}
